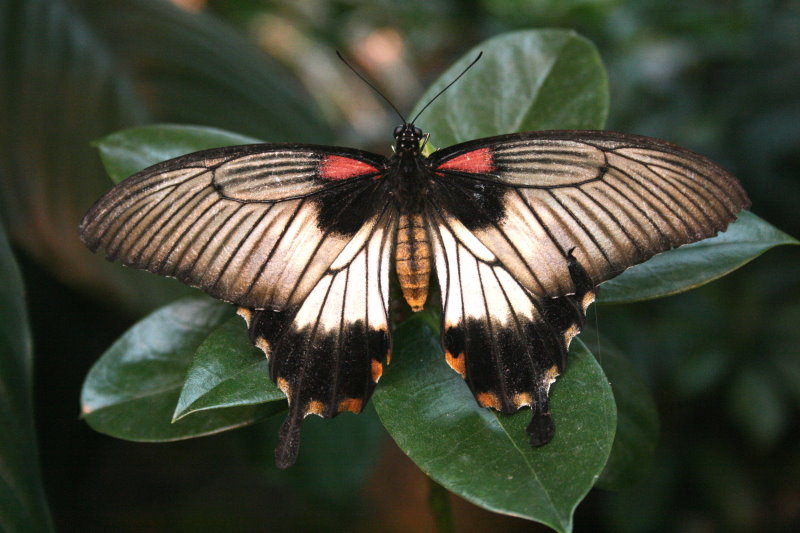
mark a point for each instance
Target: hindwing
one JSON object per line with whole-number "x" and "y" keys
{"x": 525, "y": 226}
{"x": 508, "y": 343}
{"x": 327, "y": 353}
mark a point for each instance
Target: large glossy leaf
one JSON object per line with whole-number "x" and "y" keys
{"x": 132, "y": 390}
{"x": 695, "y": 264}
{"x": 485, "y": 457}
{"x": 128, "y": 151}
{"x": 336, "y": 455}
{"x": 22, "y": 503}
{"x": 72, "y": 71}
{"x": 227, "y": 371}
{"x": 527, "y": 80}
{"x": 637, "y": 420}
{"x": 192, "y": 68}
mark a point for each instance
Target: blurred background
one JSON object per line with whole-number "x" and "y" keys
{"x": 719, "y": 77}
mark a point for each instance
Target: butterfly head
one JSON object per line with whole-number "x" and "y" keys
{"x": 408, "y": 137}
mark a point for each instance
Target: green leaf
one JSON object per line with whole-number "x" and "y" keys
{"x": 23, "y": 507}
{"x": 637, "y": 421}
{"x": 695, "y": 264}
{"x": 227, "y": 371}
{"x": 191, "y": 68}
{"x": 336, "y": 455}
{"x": 526, "y": 80}
{"x": 128, "y": 151}
{"x": 485, "y": 457}
{"x": 132, "y": 390}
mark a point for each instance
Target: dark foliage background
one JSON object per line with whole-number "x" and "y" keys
{"x": 720, "y": 77}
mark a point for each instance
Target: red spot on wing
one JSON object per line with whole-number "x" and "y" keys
{"x": 478, "y": 161}
{"x": 336, "y": 167}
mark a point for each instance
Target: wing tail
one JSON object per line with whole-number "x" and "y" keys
{"x": 289, "y": 438}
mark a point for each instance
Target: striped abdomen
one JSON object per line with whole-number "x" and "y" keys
{"x": 413, "y": 260}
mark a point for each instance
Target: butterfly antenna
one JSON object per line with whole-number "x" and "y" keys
{"x": 365, "y": 80}
{"x": 447, "y": 87}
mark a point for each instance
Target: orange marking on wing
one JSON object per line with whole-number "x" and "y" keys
{"x": 488, "y": 399}
{"x": 475, "y": 162}
{"x": 550, "y": 377}
{"x": 354, "y": 405}
{"x": 521, "y": 399}
{"x": 283, "y": 385}
{"x": 336, "y": 167}
{"x": 587, "y": 300}
{"x": 315, "y": 407}
{"x": 263, "y": 345}
{"x": 246, "y": 314}
{"x": 377, "y": 370}
{"x": 456, "y": 363}
{"x": 570, "y": 333}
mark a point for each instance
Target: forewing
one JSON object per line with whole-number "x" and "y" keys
{"x": 612, "y": 199}
{"x": 256, "y": 225}
{"x": 327, "y": 353}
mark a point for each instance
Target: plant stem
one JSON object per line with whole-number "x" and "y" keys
{"x": 439, "y": 504}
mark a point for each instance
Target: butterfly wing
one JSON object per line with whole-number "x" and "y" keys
{"x": 526, "y": 225}
{"x": 256, "y": 225}
{"x": 615, "y": 199}
{"x": 298, "y": 235}
{"x": 328, "y": 354}
{"x": 506, "y": 342}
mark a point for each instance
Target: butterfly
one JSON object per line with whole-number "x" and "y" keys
{"x": 518, "y": 229}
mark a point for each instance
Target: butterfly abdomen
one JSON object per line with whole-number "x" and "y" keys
{"x": 413, "y": 259}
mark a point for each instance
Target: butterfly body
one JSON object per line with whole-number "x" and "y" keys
{"x": 519, "y": 230}
{"x": 410, "y": 183}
